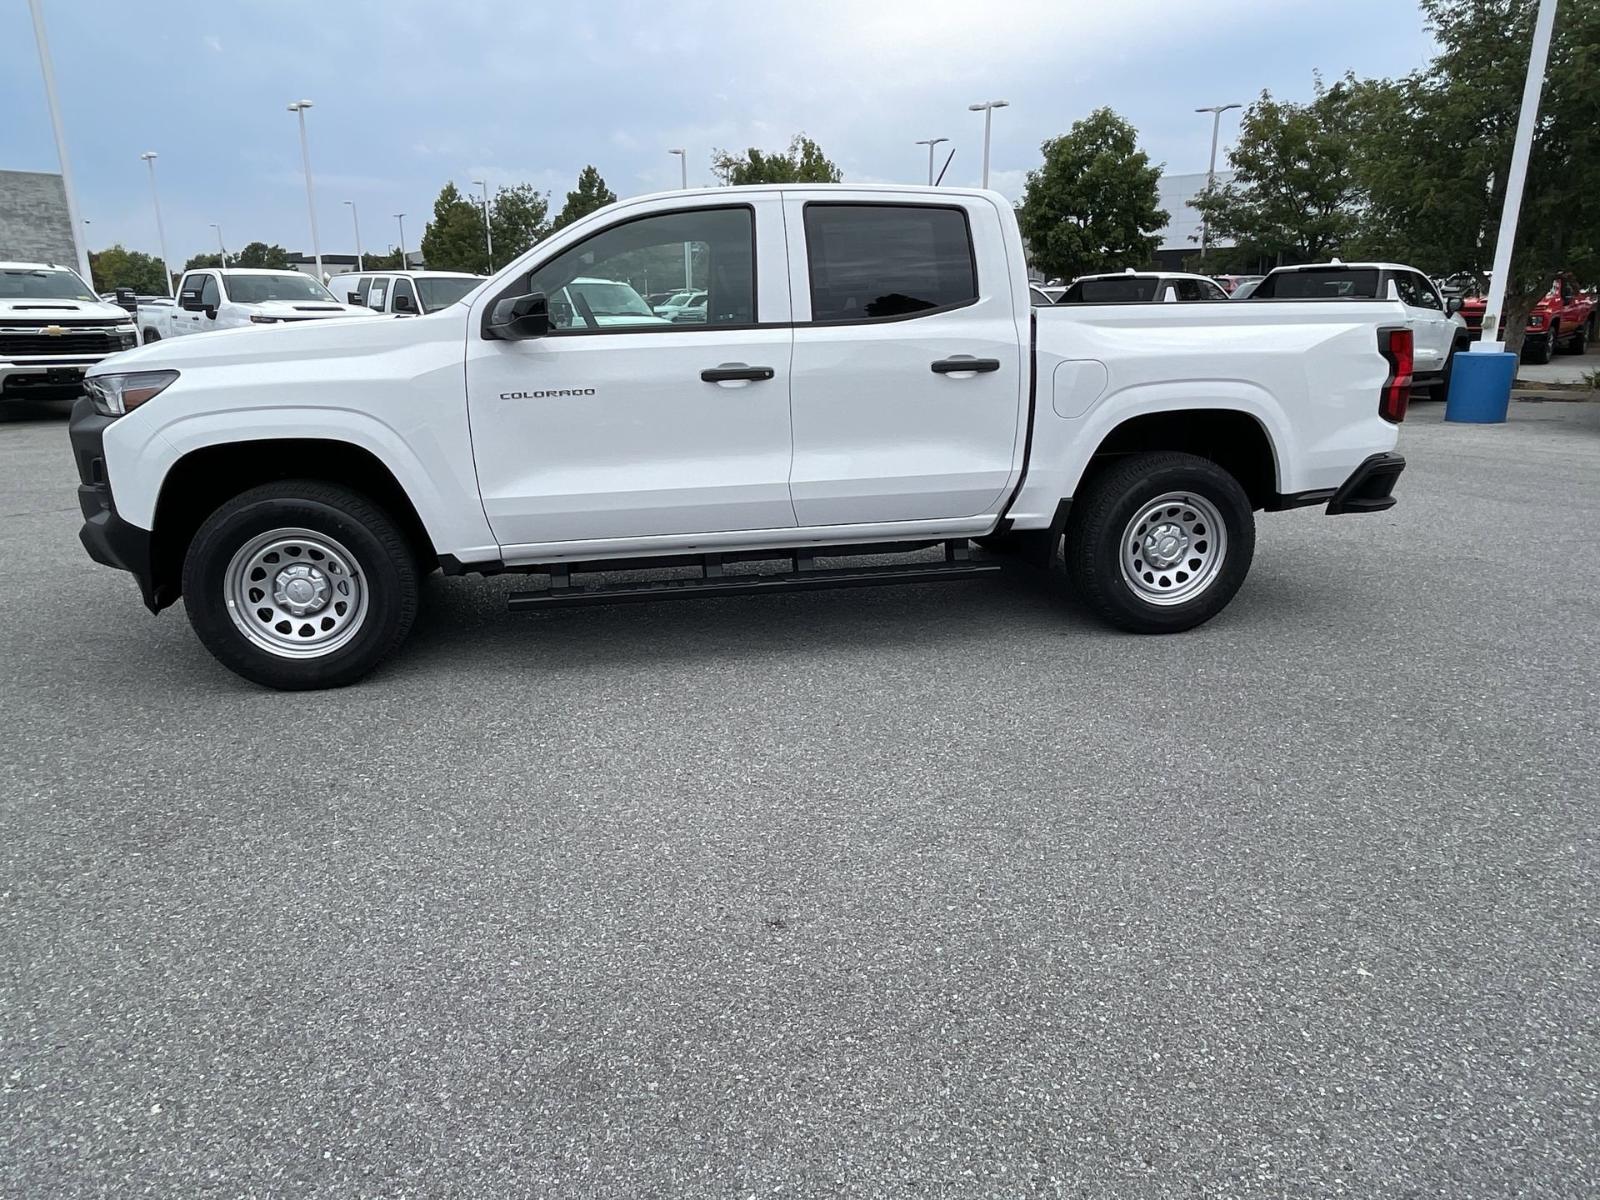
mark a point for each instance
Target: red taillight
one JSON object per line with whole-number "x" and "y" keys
{"x": 1395, "y": 346}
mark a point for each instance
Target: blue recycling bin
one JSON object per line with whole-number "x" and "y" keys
{"x": 1480, "y": 388}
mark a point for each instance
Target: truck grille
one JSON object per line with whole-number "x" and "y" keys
{"x": 72, "y": 342}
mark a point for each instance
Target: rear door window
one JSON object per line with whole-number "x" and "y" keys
{"x": 873, "y": 262}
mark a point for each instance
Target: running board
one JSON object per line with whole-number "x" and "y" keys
{"x": 801, "y": 577}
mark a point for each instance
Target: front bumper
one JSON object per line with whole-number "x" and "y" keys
{"x": 48, "y": 379}
{"x": 109, "y": 539}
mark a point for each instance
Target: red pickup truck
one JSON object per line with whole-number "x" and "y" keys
{"x": 1563, "y": 320}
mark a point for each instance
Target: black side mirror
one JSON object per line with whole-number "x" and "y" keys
{"x": 126, "y": 299}
{"x": 1453, "y": 305}
{"x": 354, "y": 298}
{"x": 404, "y": 304}
{"x": 211, "y": 311}
{"x": 519, "y": 317}
{"x": 190, "y": 302}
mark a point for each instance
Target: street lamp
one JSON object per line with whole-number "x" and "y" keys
{"x": 683, "y": 175}
{"x": 987, "y": 109}
{"x": 299, "y": 109}
{"x": 488, "y": 238}
{"x": 401, "y": 217}
{"x": 220, "y": 246}
{"x": 149, "y": 157}
{"x": 48, "y": 71}
{"x": 360, "y": 266}
{"x": 1216, "y": 111}
{"x": 930, "y": 143}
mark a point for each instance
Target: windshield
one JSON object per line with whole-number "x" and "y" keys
{"x": 606, "y": 299}
{"x": 44, "y": 283}
{"x": 258, "y": 289}
{"x": 441, "y": 293}
{"x": 1332, "y": 283}
{"x": 1129, "y": 289}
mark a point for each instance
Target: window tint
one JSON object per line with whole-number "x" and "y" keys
{"x": 191, "y": 286}
{"x": 1329, "y": 283}
{"x": 402, "y": 287}
{"x": 873, "y": 261}
{"x": 1212, "y": 291}
{"x": 209, "y": 292}
{"x": 1426, "y": 296}
{"x": 359, "y": 287}
{"x": 1189, "y": 289}
{"x": 1115, "y": 289}
{"x": 601, "y": 282}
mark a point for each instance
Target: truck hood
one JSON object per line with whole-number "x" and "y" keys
{"x": 306, "y": 341}
{"x": 307, "y": 309}
{"x": 63, "y": 312}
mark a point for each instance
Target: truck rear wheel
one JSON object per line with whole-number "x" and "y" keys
{"x": 1159, "y": 543}
{"x": 300, "y": 584}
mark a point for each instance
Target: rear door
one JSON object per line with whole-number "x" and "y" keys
{"x": 909, "y": 371}
{"x": 1432, "y": 330}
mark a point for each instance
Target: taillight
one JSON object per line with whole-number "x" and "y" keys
{"x": 1395, "y": 346}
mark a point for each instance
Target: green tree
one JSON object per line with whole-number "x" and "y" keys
{"x": 802, "y": 162}
{"x": 454, "y": 241}
{"x": 261, "y": 255}
{"x": 1435, "y": 148}
{"x": 1093, "y": 205}
{"x": 118, "y": 267}
{"x": 198, "y": 261}
{"x": 590, "y": 194}
{"x": 518, "y": 220}
{"x": 1293, "y": 196}
{"x": 388, "y": 260}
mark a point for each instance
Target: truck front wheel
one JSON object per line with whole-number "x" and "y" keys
{"x": 1159, "y": 543}
{"x": 300, "y": 584}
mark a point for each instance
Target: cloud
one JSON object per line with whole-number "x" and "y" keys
{"x": 213, "y": 43}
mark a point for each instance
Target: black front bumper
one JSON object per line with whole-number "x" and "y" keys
{"x": 1370, "y": 487}
{"x": 109, "y": 539}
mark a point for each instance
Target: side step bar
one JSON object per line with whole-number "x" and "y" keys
{"x": 801, "y": 577}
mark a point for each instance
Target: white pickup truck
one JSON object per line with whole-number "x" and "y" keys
{"x": 237, "y": 298}
{"x": 870, "y": 378}
{"x": 53, "y": 328}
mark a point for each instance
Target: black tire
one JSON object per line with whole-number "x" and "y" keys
{"x": 1539, "y": 350}
{"x": 1577, "y": 341}
{"x": 150, "y": 335}
{"x": 1113, "y": 499}
{"x": 387, "y": 566}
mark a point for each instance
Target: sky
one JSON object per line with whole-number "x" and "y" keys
{"x": 407, "y": 95}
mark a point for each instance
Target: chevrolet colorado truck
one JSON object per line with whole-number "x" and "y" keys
{"x": 53, "y": 328}
{"x": 869, "y": 379}
{"x": 214, "y": 298}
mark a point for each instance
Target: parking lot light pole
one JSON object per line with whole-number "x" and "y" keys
{"x": 930, "y": 143}
{"x": 987, "y": 109}
{"x": 149, "y": 157}
{"x": 223, "y": 249}
{"x": 683, "y": 176}
{"x": 1216, "y": 111}
{"x": 488, "y": 238}
{"x": 49, "y": 73}
{"x": 401, "y": 218}
{"x": 299, "y": 109}
{"x": 360, "y": 266}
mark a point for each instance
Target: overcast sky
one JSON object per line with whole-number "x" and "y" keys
{"x": 408, "y": 95}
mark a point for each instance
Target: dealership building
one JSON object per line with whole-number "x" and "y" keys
{"x": 1181, "y": 237}
{"x": 34, "y": 222}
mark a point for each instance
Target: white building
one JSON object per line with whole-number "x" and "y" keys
{"x": 1181, "y": 237}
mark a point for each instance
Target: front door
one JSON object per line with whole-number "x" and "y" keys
{"x": 621, "y": 423}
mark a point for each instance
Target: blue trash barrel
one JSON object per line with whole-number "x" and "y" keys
{"x": 1480, "y": 388}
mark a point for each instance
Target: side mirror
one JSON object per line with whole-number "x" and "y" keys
{"x": 353, "y": 298}
{"x": 1453, "y": 305}
{"x": 517, "y": 318}
{"x": 190, "y": 302}
{"x": 126, "y": 299}
{"x": 404, "y": 304}
{"x": 211, "y": 311}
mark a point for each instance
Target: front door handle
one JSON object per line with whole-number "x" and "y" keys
{"x": 965, "y": 363}
{"x": 727, "y": 372}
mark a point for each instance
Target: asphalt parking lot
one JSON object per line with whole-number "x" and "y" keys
{"x": 935, "y": 891}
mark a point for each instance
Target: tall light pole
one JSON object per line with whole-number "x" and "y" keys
{"x": 220, "y": 246}
{"x": 683, "y": 176}
{"x": 299, "y": 109}
{"x": 488, "y": 238}
{"x": 401, "y": 217}
{"x": 360, "y": 266}
{"x": 1216, "y": 111}
{"x": 930, "y": 143}
{"x": 149, "y": 157}
{"x": 987, "y": 109}
{"x": 49, "y": 73}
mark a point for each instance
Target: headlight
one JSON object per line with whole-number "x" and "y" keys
{"x": 254, "y": 320}
{"x": 115, "y": 395}
{"x": 126, "y": 336}
{"x": 1535, "y": 321}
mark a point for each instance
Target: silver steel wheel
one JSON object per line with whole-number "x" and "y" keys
{"x": 1174, "y": 548}
{"x": 295, "y": 593}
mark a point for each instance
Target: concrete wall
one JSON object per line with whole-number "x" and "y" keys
{"x": 34, "y": 225}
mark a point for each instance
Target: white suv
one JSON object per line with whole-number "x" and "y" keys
{"x": 404, "y": 293}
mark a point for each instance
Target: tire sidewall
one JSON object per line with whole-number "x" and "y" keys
{"x": 204, "y": 592}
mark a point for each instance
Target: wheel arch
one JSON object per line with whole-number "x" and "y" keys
{"x": 1236, "y": 440}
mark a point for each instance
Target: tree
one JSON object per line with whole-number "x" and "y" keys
{"x": 259, "y": 254}
{"x": 1436, "y": 146}
{"x": 803, "y": 162}
{"x": 454, "y": 238}
{"x": 198, "y": 261}
{"x": 388, "y": 260}
{"x": 1093, "y": 205}
{"x": 1293, "y": 197}
{"x": 591, "y": 194}
{"x": 122, "y": 268}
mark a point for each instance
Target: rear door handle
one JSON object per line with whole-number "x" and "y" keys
{"x": 965, "y": 362}
{"x": 728, "y": 372}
